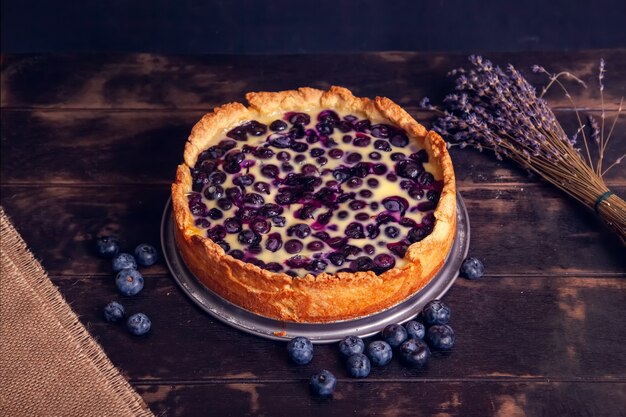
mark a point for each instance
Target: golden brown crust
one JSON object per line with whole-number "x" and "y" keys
{"x": 325, "y": 297}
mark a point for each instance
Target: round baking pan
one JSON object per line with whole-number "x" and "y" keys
{"x": 249, "y": 322}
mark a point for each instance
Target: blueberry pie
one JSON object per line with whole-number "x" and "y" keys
{"x": 314, "y": 206}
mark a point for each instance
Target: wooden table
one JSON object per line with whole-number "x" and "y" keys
{"x": 90, "y": 144}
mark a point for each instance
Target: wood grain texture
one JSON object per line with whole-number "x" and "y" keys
{"x": 413, "y": 398}
{"x": 147, "y": 81}
{"x": 510, "y": 328}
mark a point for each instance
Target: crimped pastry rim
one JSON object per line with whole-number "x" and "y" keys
{"x": 307, "y": 299}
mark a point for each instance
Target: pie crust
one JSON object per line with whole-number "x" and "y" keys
{"x": 325, "y": 297}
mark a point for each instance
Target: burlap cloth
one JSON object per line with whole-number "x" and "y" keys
{"x": 49, "y": 364}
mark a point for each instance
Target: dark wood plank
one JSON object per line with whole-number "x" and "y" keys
{"x": 113, "y": 147}
{"x": 200, "y": 82}
{"x": 512, "y": 328}
{"x": 525, "y": 229}
{"x": 412, "y": 398}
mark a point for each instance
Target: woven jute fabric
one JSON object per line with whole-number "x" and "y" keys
{"x": 49, "y": 364}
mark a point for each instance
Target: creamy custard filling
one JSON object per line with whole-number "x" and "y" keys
{"x": 315, "y": 192}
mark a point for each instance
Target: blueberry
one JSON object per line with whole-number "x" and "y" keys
{"x": 353, "y": 158}
{"x": 315, "y": 246}
{"x": 415, "y": 329}
{"x": 254, "y": 199}
{"x": 146, "y": 255}
{"x": 381, "y": 131}
{"x": 414, "y": 353}
{"x": 399, "y": 139}
{"x": 124, "y": 261}
{"x": 358, "y": 365}
{"x": 215, "y": 213}
{"x": 408, "y": 169}
{"x": 301, "y": 230}
{"x": 394, "y": 335}
{"x": 232, "y": 225}
{"x": 129, "y": 281}
{"x": 472, "y": 268}
{"x": 440, "y": 337}
{"x": 236, "y": 253}
{"x": 362, "y": 263}
{"x": 244, "y": 180}
{"x": 270, "y": 210}
{"x": 279, "y": 221}
{"x": 351, "y": 345}
{"x": 107, "y": 246}
{"x": 273, "y": 242}
{"x": 278, "y": 126}
{"x": 138, "y": 324}
{"x": 395, "y": 204}
{"x": 224, "y": 203}
{"x": 280, "y": 141}
{"x": 249, "y": 237}
{"x": 361, "y": 141}
{"x": 213, "y": 192}
{"x": 416, "y": 234}
{"x": 382, "y": 145}
{"x": 392, "y": 232}
{"x": 270, "y": 171}
{"x": 114, "y": 311}
{"x": 379, "y": 352}
{"x": 261, "y": 187}
{"x": 238, "y": 133}
{"x": 383, "y": 262}
{"x": 436, "y": 312}
{"x": 300, "y": 350}
{"x": 337, "y": 258}
{"x": 299, "y": 119}
{"x": 323, "y": 384}
{"x": 260, "y": 226}
{"x": 335, "y": 153}
{"x": 264, "y": 153}
{"x": 216, "y": 233}
{"x": 355, "y": 230}
{"x": 293, "y": 246}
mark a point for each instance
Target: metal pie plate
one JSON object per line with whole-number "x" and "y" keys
{"x": 249, "y": 322}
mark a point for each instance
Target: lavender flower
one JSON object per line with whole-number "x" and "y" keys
{"x": 499, "y": 110}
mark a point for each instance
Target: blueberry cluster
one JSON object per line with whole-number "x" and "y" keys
{"x": 128, "y": 279}
{"x": 246, "y": 187}
{"x": 412, "y": 343}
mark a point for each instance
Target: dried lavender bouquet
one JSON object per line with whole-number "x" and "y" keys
{"x": 500, "y": 111}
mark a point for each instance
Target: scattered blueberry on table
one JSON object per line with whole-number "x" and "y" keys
{"x": 139, "y": 324}
{"x": 358, "y": 365}
{"x": 440, "y": 337}
{"x": 436, "y": 312}
{"x": 129, "y": 281}
{"x": 107, "y": 246}
{"x": 351, "y": 345}
{"x": 323, "y": 383}
{"x": 379, "y": 352}
{"x": 394, "y": 335}
{"x": 415, "y": 329}
{"x": 472, "y": 268}
{"x": 146, "y": 255}
{"x": 114, "y": 311}
{"x": 300, "y": 350}
{"x": 414, "y": 353}
{"x": 124, "y": 261}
